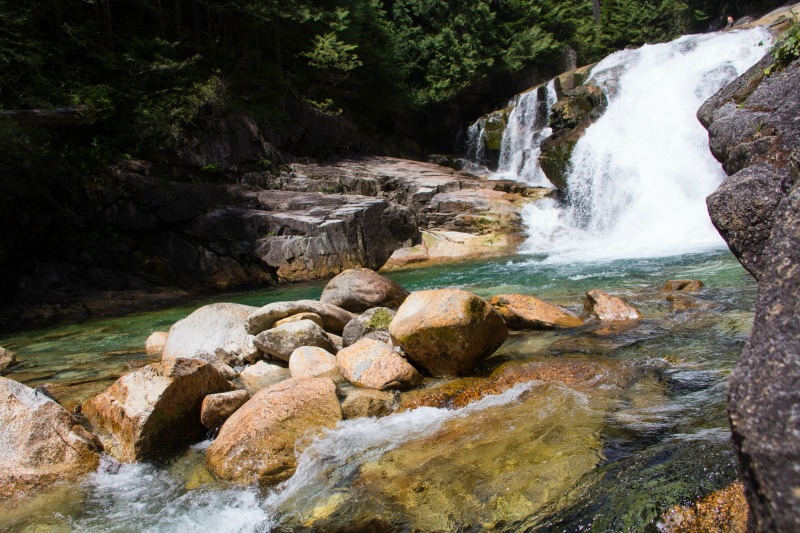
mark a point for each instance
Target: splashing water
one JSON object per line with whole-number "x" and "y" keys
{"x": 640, "y": 175}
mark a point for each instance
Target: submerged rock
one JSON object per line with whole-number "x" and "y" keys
{"x": 521, "y": 311}
{"x": 447, "y": 331}
{"x": 217, "y": 408}
{"x": 372, "y": 321}
{"x": 374, "y": 365}
{"x": 261, "y": 375}
{"x": 280, "y": 342}
{"x": 155, "y": 343}
{"x": 722, "y": 510}
{"x": 40, "y": 442}
{"x": 153, "y": 412}
{"x": 260, "y": 442}
{"x": 609, "y": 308}
{"x": 334, "y": 318}
{"x": 213, "y": 332}
{"x": 359, "y": 289}
{"x": 683, "y": 285}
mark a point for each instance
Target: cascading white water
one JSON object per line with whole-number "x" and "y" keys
{"x": 524, "y": 133}
{"x": 640, "y": 175}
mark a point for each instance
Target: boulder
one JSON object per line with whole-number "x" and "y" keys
{"x": 313, "y": 362}
{"x": 359, "y": 289}
{"x": 313, "y": 317}
{"x": 154, "y": 345}
{"x": 280, "y": 342}
{"x": 447, "y": 331}
{"x": 368, "y": 403}
{"x": 213, "y": 332}
{"x": 217, "y": 408}
{"x": 521, "y": 311}
{"x": 261, "y": 375}
{"x": 260, "y": 442}
{"x": 374, "y": 365}
{"x": 40, "y": 442}
{"x": 374, "y": 320}
{"x": 334, "y": 319}
{"x": 155, "y": 411}
{"x": 683, "y": 285}
{"x": 7, "y": 359}
{"x": 607, "y": 308}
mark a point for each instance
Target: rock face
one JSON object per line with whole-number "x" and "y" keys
{"x": 313, "y": 362}
{"x": 447, "y": 331}
{"x": 40, "y": 442}
{"x": 261, "y": 375}
{"x": 259, "y": 442}
{"x": 7, "y": 359}
{"x": 213, "y": 332}
{"x": 359, "y": 289}
{"x": 154, "y": 411}
{"x": 607, "y": 308}
{"x": 521, "y": 311}
{"x": 374, "y": 365}
{"x": 755, "y": 133}
{"x": 375, "y": 320}
{"x": 217, "y": 408}
{"x": 334, "y": 319}
{"x": 154, "y": 345}
{"x": 280, "y": 342}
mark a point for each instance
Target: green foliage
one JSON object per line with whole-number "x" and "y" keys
{"x": 786, "y": 50}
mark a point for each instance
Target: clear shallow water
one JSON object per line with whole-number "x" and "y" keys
{"x": 647, "y": 431}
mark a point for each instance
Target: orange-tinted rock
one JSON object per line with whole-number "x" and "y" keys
{"x": 447, "y": 331}
{"x": 334, "y": 319}
{"x": 313, "y": 362}
{"x": 359, "y": 289}
{"x": 314, "y": 317}
{"x": 217, "y": 408}
{"x": 154, "y": 411}
{"x": 368, "y": 403}
{"x": 40, "y": 442}
{"x": 374, "y": 365}
{"x": 154, "y": 345}
{"x": 609, "y": 308}
{"x": 683, "y": 285}
{"x": 723, "y": 511}
{"x": 261, "y": 375}
{"x": 521, "y": 311}
{"x": 259, "y": 443}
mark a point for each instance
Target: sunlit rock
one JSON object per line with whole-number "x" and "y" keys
{"x": 375, "y": 365}
{"x": 7, "y": 359}
{"x": 359, "y": 289}
{"x": 261, "y": 375}
{"x": 281, "y": 341}
{"x": 313, "y": 317}
{"x": 154, "y": 345}
{"x": 368, "y": 403}
{"x": 375, "y": 320}
{"x": 521, "y": 311}
{"x": 313, "y": 362}
{"x": 334, "y": 318}
{"x": 217, "y": 408}
{"x": 609, "y": 308}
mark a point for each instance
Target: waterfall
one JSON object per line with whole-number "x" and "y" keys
{"x": 640, "y": 174}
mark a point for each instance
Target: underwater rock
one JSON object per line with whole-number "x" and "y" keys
{"x": 213, "y": 332}
{"x": 368, "y": 403}
{"x": 154, "y": 345}
{"x": 334, "y": 319}
{"x": 683, "y": 285}
{"x": 447, "y": 331}
{"x": 609, "y": 308}
{"x": 359, "y": 289}
{"x": 313, "y": 362}
{"x": 260, "y": 442}
{"x": 281, "y": 341}
{"x": 722, "y": 510}
{"x": 374, "y": 365}
{"x": 374, "y": 320}
{"x": 217, "y": 408}
{"x": 40, "y": 442}
{"x": 261, "y": 375}
{"x": 521, "y": 311}
{"x": 153, "y": 412}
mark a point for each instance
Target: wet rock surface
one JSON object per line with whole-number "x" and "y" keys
{"x": 368, "y": 403}
{"x": 40, "y": 442}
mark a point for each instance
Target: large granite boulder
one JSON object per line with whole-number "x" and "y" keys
{"x": 375, "y": 365}
{"x": 755, "y": 134}
{"x": 260, "y": 442}
{"x": 447, "y": 331}
{"x": 521, "y": 311}
{"x": 359, "y": 289}
{"x": 334, "y": 318}
{"x": 155, "y": 411}
{"x": 374, "y": 323}
{"x": 40, "y": 442}
{"x": 215, "y": 332}
{"x": 280, "y": 342}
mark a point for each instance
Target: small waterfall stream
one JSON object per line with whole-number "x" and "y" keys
{"x": 640, "y": 174}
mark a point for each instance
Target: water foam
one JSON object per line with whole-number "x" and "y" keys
{"x": 640, "y": 175}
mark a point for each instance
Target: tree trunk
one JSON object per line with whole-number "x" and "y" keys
{"x": 596, "y": 11}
